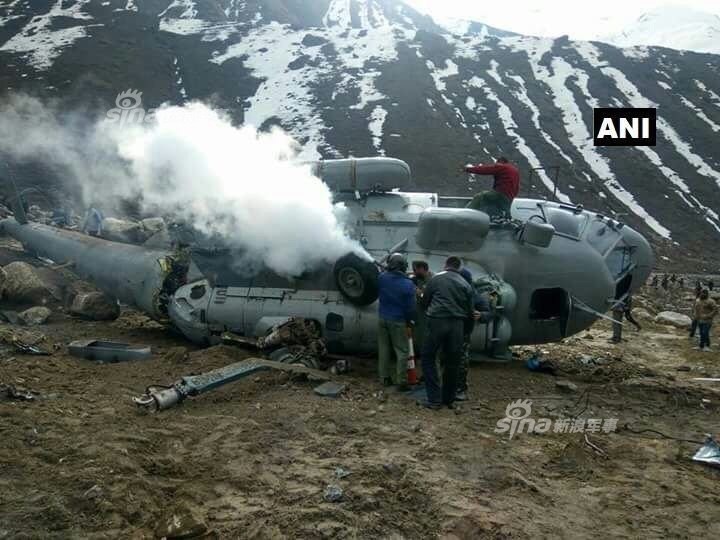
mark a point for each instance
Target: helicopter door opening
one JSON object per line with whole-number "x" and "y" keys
{"x": 548, "y": 304}
{"x": 553, "y": 306}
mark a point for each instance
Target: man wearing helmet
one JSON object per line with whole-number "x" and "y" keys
{"x": 396, "y": 296}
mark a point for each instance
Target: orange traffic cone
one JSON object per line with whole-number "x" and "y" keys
{"x": 411, "y": 370}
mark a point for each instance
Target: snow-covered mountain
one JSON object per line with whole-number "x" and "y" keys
{"x": 367, "y": 77}
{"x": 674, "y": 27}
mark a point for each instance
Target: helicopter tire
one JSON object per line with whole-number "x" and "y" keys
{"x": 357, "y": 279}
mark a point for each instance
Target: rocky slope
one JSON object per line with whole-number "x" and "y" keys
{"x": 366, "y": 77}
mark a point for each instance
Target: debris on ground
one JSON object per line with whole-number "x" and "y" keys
{"x": 26, "y": 342}
{"x": 566, "y": 386}
{"x": 181, "y": 522}
{"x": 709, "y": 453}
{"x": 108, "y": 351}
{"x": 333, "y": 493}
{"x": 11, "y": 392}
{"x": 330, "y": 389}
{"x": 341, "y": 473}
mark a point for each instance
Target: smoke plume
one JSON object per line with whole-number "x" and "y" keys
{"x": 191, "y": 163}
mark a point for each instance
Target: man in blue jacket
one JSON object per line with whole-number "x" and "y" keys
{"x": 396, "y": 294}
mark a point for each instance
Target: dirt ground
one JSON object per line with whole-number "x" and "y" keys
{"x": 253, "y": 459}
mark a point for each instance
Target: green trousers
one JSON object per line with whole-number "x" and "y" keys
{"x": 393, "y": 351}
{"x": 493, "y": 203}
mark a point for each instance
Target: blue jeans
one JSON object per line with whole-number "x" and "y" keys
{"x": 704, "y": 328}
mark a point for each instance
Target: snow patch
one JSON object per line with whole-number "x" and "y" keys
{"x": 377, "y": 121}
{"x": 511, "y": 128}
{"x": 39, "y": 43}
{"x": 557, "y": 78}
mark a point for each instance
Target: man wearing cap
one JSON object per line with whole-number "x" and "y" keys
{"x": 396, "y": 301}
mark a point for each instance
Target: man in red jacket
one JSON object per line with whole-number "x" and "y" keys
{"x": 505, "y": 187}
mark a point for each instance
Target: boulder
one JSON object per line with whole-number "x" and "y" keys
{"x": 95, "y": 306}
{"x": 3, "y": 279}
{"x": 673, "y": 318}
{"x": 153, "y": 225}
{"x": 35, "y": 316}
{"x": 22, "y": 284}
{"x": 642, "y": 314}
{"x": 120, "y": 230}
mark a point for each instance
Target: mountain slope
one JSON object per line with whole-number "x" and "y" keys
{"x": 367, "y": 77}
{"x": 675, "y": 27}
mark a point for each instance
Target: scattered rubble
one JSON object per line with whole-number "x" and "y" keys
{"x": 13, "y": 393}
{"x": 26, "y": 342}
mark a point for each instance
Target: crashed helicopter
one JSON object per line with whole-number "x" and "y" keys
{"x": 556, "y": 268}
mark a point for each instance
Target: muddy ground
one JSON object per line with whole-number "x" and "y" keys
{"x": 253, "y": 460}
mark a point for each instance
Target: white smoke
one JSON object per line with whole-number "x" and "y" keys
{"x": 193, "y": 164}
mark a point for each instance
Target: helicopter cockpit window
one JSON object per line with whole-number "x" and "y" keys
{"x": 619, "y": 260}
{"x": 566, "y": 222}
{"x": 601, "y": 236}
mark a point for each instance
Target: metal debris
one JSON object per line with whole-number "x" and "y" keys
{"x": 709, "y": 453}
{"x": 108, "y": 351}
{"x": 333, "y": 493}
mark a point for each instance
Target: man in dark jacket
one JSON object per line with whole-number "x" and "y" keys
{"x": 396, "y": 295}
{"x": 448, "y": 303}
{"x": 506, "y": 187}
{"x": 482, "y": 307}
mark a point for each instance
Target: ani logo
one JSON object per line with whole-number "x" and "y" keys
{"x": 625, "y": 127}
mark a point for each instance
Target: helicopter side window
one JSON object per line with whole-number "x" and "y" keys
{"x": 548, "y": 304}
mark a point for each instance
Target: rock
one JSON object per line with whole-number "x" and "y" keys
{"x": 311, "y": 40}
{"x": 35, "y": 316}
{"x": 642, "y": 314}
{"x": 341, "y": 473}
{"x": 333, "y": 493}
{"x": 10, "y": 316}
{"x": 182, "y": 522}
{"x": 22, "y": 284}
{"x": 73, "y": 289}
{"x": 673, "y": 318}
{"x": 119, "y": 230}
{"x": 95, "y": 306}
{"x": 683, "y": 368}
{"x": 566, "y": 386}
{"x": 586, "y": 360}
{"x": 3, "y": 279}
{"x": 176, "y": 354}
{"x": 330, "y": 389}
{"x": 153, "y": 225}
